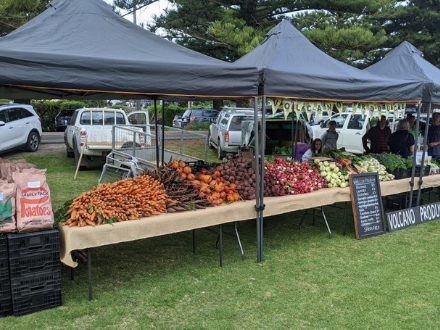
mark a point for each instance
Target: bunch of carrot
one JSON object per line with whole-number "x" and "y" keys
{"x": 123, "y": 200}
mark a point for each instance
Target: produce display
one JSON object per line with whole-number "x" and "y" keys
{"x": 192, "y": 191}
{"x": 282, "y": 177}
{"x": 372, "y": 165}
{"x": 334, "y": 175}
{"x": 122, "y": 200}
{"x": 180, "y": 186}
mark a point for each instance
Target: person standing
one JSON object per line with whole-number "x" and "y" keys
{"x": 330, "y": 137}
{"x": 402, "y": 141}
{"x": 411, "y": 120}
{"x": 434, "y": 136}
{"x": 378, "y": 137}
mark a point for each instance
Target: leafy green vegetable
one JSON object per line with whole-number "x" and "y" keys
{"x": 282, "y": 151}
{"x": 392, "y": 161}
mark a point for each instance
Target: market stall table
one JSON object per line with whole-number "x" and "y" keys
{"x": 76, "y": 238}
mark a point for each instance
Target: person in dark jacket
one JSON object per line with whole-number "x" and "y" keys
{"x": 434, "y": 136}
{"x": 402, "y": 142}
{"x": 378, "y": 137}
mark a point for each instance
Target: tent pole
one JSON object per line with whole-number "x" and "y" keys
{"x": 156, "y": 133}
{"x": 263, "y": 147}
{"x": 413, "y": 170}
{"x": 293, "y": 137}
{"x": 296, "y": 138}
{"x": 422, "y": 164}
{"x": 257, "y": 179}
{"x": 163, "y": 132}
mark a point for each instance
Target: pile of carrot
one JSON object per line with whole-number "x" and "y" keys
{"x": 123, "y": 200}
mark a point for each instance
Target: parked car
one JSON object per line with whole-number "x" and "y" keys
{"x": 90, "y": 131}
{"x": 20, "y": 127}
{"x": 351, "y": 128}
{"x": 62, "y": 119}
{"x": 145, "y": 103}
{"x": 225, "y": 132}
{"x": 198, "y": 116}
{"x": 114, "y": 102}
{"x": 177, "y": 121}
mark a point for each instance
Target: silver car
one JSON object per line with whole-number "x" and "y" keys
{"x": 225, "y": 132}
{"x": 20, "y": 127}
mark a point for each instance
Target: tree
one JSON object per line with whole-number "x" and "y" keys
{"x": 229, "y": 29}
{"x": 417, "y": 22}
{"x": 14, "y": 13}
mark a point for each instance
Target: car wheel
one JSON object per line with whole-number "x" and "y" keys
{"x": 33, "y": 142}
{"x": 77, "y": 154}
{"x": 69, "y": 152}
{"x": 220, "y": 153}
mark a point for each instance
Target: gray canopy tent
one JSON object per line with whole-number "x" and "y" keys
{"x": 81, "y": 49}
{"x": 290, "y": 66}
{"x": 407, "y": 62}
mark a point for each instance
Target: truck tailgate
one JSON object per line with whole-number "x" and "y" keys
{"x": 99, "y": 137}
{"x": 234, "y": 138}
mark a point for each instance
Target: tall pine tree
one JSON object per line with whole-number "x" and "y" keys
{"x": 228, "y": 29}
{"x": 415, "y": 21}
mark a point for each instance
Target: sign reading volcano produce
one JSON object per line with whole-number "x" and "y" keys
{"x": 366, "y": 201}
{"x": 413, "y": 216}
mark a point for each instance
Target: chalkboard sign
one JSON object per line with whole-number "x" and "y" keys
{"x": 366, "y": 201}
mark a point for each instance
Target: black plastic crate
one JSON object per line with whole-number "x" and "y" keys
{"x": 4, "y": 266}
{"x": 5, "y": 306}
{"x": 426, "y": 171}
{"x": 4, "y": 270}
{"x": 25, "y": 244}
{"x": 5, "y": 284}
{"x": 198, "y": 165}
{"x": 3, "y": 247}
{"x": 36, "y": 302}
{"x": 38, "y": 282}
{"x": 400, "y": 201}
{"x": 395, "y": 203}
{"x": 400, "y": 173}
{"x": 31, "y": 264}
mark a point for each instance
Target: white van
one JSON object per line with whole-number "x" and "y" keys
{"x": 351, "y": 128}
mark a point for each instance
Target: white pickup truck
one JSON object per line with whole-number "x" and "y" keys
{"x": 90, "y": 132}
{"x": 351, "y": 128}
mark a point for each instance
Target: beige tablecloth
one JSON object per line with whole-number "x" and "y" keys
{"x": 74, "y": 238}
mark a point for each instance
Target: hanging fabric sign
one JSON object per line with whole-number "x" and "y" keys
{"x": 388, "y": 108}
{"x": 338, "y": 106}
{"x": 287, "y": 108}
{"x": 275, "y": 105}
{"x": 372, "y": 109}
{"x": 329, "y": 107}
{"x": 319, "y": 110}
{"x": 363, "y": 109}
{"x": 309, "y": 110}
{"x": 296, "y": 109}
{"x": 354, "y": 109}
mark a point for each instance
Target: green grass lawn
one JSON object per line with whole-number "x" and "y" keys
{"x": 307, "y": 281}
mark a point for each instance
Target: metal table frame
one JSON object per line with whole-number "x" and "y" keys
{"x": 218, "y": 244}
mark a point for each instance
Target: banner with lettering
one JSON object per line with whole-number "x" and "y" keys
{"x": 319, "y": 110}
{"x": 417, "y": 215}
{"x": 287, "y": 108}
{"x": 275, "y": 105}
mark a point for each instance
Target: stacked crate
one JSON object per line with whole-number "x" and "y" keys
{"x": 5, "y": 284}
{"x": 35, "y": 271}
